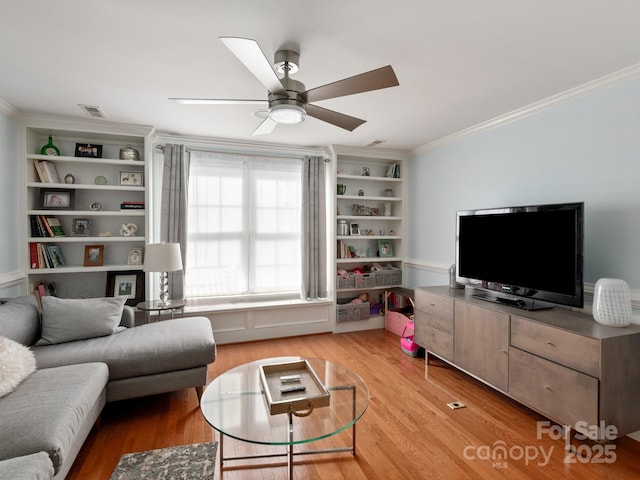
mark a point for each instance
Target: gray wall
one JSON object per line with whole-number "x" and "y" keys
{"x": 9, "y": 226}
{"x": 587, "y": 149}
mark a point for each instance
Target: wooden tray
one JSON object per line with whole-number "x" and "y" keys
{"x": 315, "y": 395}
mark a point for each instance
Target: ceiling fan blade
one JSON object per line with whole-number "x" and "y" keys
{"x": 334, "y": 118}
{"x": 365, "y": 82}
{"x": 217, "y": 101}
{"x": 265, "y": 127}
{"x": 249, "y": 53}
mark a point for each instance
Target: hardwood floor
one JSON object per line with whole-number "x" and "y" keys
{"x": 408, "y": 431}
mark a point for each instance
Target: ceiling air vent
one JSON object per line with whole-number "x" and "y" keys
{"x": 92, "y": 111}
{"x": 374, "y": 143}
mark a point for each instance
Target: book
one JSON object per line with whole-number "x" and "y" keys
{"x": 54, "y": 226}
{"x": 40, "y": 171}
{"x": 41, "y": 262}
{"x": 33, "y": 253}
{"x": 35, "y": 228}
{"x": 56, "y": 256}
{"x": 45, "y": 226}
{"x": 41, "y": 227}
{"x": 50, "y": 171}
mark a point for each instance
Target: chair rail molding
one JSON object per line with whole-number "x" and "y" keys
{"x": 10, "y": 279}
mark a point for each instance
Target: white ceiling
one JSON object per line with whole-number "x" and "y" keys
{"x": 459, "y": 62}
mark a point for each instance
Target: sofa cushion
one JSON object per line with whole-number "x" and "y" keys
{"x": 20, "y": 320}
{"x": 50, "y": 409}
{"x": 36, "y": 466}
{"x": 159, "y": 347}
{"x": 65, "y": 320}
{"x": 16, "y": 363}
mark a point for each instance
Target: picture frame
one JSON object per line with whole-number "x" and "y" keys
{"x": 132, "y": 179}
{"x": 354, "y": 229}
{"x": 93, "y": 255}
{"x": 385, "y": 248}
{"x": 80, "y": 227}
{"x": 88, "y": 150}
{"x": 127, "y": 283}
{"x": 135, "y": 256}
{"x": 56, "y": 198}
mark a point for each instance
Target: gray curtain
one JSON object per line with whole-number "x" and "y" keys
{"x": 173, "y": 221}
{"x": 314, "y": 229}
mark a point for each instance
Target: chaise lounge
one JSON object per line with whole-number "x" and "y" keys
{"x": 87, "y": 352}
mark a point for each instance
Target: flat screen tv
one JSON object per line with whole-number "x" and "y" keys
{"x": 529, "y": 256}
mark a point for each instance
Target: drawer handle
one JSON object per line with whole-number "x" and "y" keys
{"x": 550, "y": 343}
{"x": 548, "y": 388}
{"x": 432, "y": 304}
{"x": 504, "y": 351}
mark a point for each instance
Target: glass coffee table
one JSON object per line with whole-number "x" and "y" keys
{"x": 235, "y": 405}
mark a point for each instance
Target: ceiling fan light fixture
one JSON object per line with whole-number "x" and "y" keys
{"x": 287, "y": 114}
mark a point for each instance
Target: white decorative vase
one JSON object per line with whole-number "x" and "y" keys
{"x": 612, "y": 302}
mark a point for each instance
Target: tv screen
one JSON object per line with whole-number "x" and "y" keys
{"x": 528, "y": 253}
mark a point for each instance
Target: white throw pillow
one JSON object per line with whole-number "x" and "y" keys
{"x": 16, "y": 364}
{"x": 65, "y": 320}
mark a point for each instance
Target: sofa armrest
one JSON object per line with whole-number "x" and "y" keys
{"x": 128, "y": 317}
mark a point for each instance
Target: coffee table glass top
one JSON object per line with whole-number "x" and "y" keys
{"x": 234, "y": 404}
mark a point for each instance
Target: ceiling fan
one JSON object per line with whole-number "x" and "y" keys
{"x": 288, "y": 102}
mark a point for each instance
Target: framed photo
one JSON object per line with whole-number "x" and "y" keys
{"x": 366, "y": 172}
{"x": 133, "y": 179}
{"x": 81, "y": 227}
{"x": 128, "y": 284}
{"x": 60, "y": 199}
{"x": 93, "y": 255}
{"x": 88, "y": 150}
{"x": 354, "y": 229}
{"x": 385, "y": 249}
{"x": 135, "y": 256}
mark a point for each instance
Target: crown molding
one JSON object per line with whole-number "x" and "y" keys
{"x": 82, "y": 124}
{"x": 589, "y": 88}
{"x": 9, "y": 110}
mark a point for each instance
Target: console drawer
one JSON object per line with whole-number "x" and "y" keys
{"x": 434, "y": 334}
{"x": 561, "y": 393}
{"x": 560, "y": 346}
{"x": 435, "y": 305}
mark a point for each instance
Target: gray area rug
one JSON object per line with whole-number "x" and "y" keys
{"x": 187, "y": 462}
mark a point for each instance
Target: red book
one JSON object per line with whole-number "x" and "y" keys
{"x": 33, "y": 251}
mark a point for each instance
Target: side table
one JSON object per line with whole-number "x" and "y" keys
{"x": 171, "y": 306}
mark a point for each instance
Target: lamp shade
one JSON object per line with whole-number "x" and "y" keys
{"x": 162, "y": 257}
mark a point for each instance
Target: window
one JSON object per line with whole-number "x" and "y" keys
{"x": 244, "y": 224}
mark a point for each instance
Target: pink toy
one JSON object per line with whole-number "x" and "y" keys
{"x": 407, "y": 344}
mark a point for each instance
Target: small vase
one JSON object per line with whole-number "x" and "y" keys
{"x": 612, "y": 302}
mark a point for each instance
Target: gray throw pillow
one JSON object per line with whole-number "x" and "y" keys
{"x": 65, "y": 320}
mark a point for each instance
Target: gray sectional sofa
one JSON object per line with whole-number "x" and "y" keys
{"x": 54, "y": 408}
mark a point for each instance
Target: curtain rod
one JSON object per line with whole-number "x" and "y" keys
{"x": 191, "y": 149}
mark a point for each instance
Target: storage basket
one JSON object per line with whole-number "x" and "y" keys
{"x": 385, "y": 278}
{"x": 365, "y": 280}
{"x": 346, "y": 282}
{"x": 352, "y": 312}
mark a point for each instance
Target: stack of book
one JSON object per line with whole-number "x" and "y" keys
{"x": 46, "y": 256}
{"x": 132, "y": 206}
{"x": 41, "y": 290}
{"x": 45, "y": 226}
{"x": 393, "y": 171}
{"x": 46, "y": 171}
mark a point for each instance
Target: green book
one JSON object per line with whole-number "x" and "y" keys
{"x": 55, "y": 226}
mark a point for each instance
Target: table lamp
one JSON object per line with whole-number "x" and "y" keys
{"x": 163, "y": 258}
